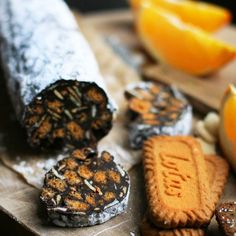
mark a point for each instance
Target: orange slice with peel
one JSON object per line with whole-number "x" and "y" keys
{"x": 207, "y": 16}
{"x": 227, "y": 131}
{"x": 181, "y": 45}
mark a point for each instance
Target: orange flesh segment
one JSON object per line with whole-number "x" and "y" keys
{"x": 204, "y": 15}
{"x": 181, "y": 45}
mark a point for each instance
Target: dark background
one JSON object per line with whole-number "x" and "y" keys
{"x": 95, "y": 5}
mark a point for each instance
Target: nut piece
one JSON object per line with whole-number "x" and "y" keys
{"x": 201, "y": 130}
{"x": 212, "y": 123}
{"x": 207, "y": 148}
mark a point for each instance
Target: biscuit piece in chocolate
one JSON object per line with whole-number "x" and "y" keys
{"x": 156, "y": 110}
{"x": 226, "y": 217}
{"x": 85, "y": 189}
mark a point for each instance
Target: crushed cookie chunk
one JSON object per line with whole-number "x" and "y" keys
{"x": 139, "y": 106}
{"x": 85, "y": 172}
{"x": 106, "y": 156}
{"x": 58, "y": 133}
{"x": 48, "y": 193}
{"x": 109, "y": 196}
{"x": 100, "y": 177}
{"x": 44, "y": 128}
{"x": 90, "y": 200}
{"x": 115, "y": 176}
{"x": 76, "y": 205}
{"x": 72, "y": 178}
{"x": 76, "y": 131}
{"x": 95, "y": 96}
{"x": 75, "y": 194}
{"x": 70, "y": 163}
{"x": 57, "y": 184}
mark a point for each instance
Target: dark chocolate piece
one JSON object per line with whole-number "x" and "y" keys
{"x": 52, "y": 76}
{"x": 156, "y": 109}
{"x": 85, "y": 189}
{"x": 226, "y": 218}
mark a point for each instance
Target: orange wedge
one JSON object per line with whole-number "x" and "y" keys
{"x": 181, "y": 45}
{"x": 204, "y": 15}
{"x": 227, "y": 131}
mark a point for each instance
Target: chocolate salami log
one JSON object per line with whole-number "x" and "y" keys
{"x": 52, "y": 76}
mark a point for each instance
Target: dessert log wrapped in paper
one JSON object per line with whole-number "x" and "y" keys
{"x": 52, "y": 76}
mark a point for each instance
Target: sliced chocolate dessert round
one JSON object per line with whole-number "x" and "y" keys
{"x": 156, "y": 109}
{"x": 68, "y": 113}
{"x": 226, "y": 218}
{"x": 85, "y": 189}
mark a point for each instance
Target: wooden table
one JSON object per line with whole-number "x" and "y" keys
{"x": 20, "y": 201}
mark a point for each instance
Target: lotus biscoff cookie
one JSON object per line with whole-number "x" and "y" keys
{"x": 177, "y": 191}
{"x": 217, "y": 169}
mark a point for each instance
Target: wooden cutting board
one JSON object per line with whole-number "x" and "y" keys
{"x": 20, "y": 201}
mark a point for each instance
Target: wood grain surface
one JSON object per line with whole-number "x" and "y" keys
{"x": 20, "y": 201}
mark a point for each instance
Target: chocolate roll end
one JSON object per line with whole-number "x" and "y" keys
{"x": 68, "y": 112}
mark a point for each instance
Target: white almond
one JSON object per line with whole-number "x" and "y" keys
{"x": 201, "y": 130}
{"x": 212, "y": 122}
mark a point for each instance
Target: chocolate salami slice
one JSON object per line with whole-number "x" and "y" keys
{"x": 85, "y": 189}
{"x": 52, "y": 76}
{"x": 156, "y": 109}
{"x": 226, "y": 217}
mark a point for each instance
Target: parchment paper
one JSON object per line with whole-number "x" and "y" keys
{"x": 33, "y": 164}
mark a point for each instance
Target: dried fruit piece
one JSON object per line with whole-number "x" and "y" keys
{"x": 85, "y": 192}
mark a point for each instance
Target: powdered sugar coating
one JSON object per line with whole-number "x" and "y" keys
{"x": 41, "y": 44}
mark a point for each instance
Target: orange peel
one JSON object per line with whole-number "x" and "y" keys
{"x": 207, "y": 16}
